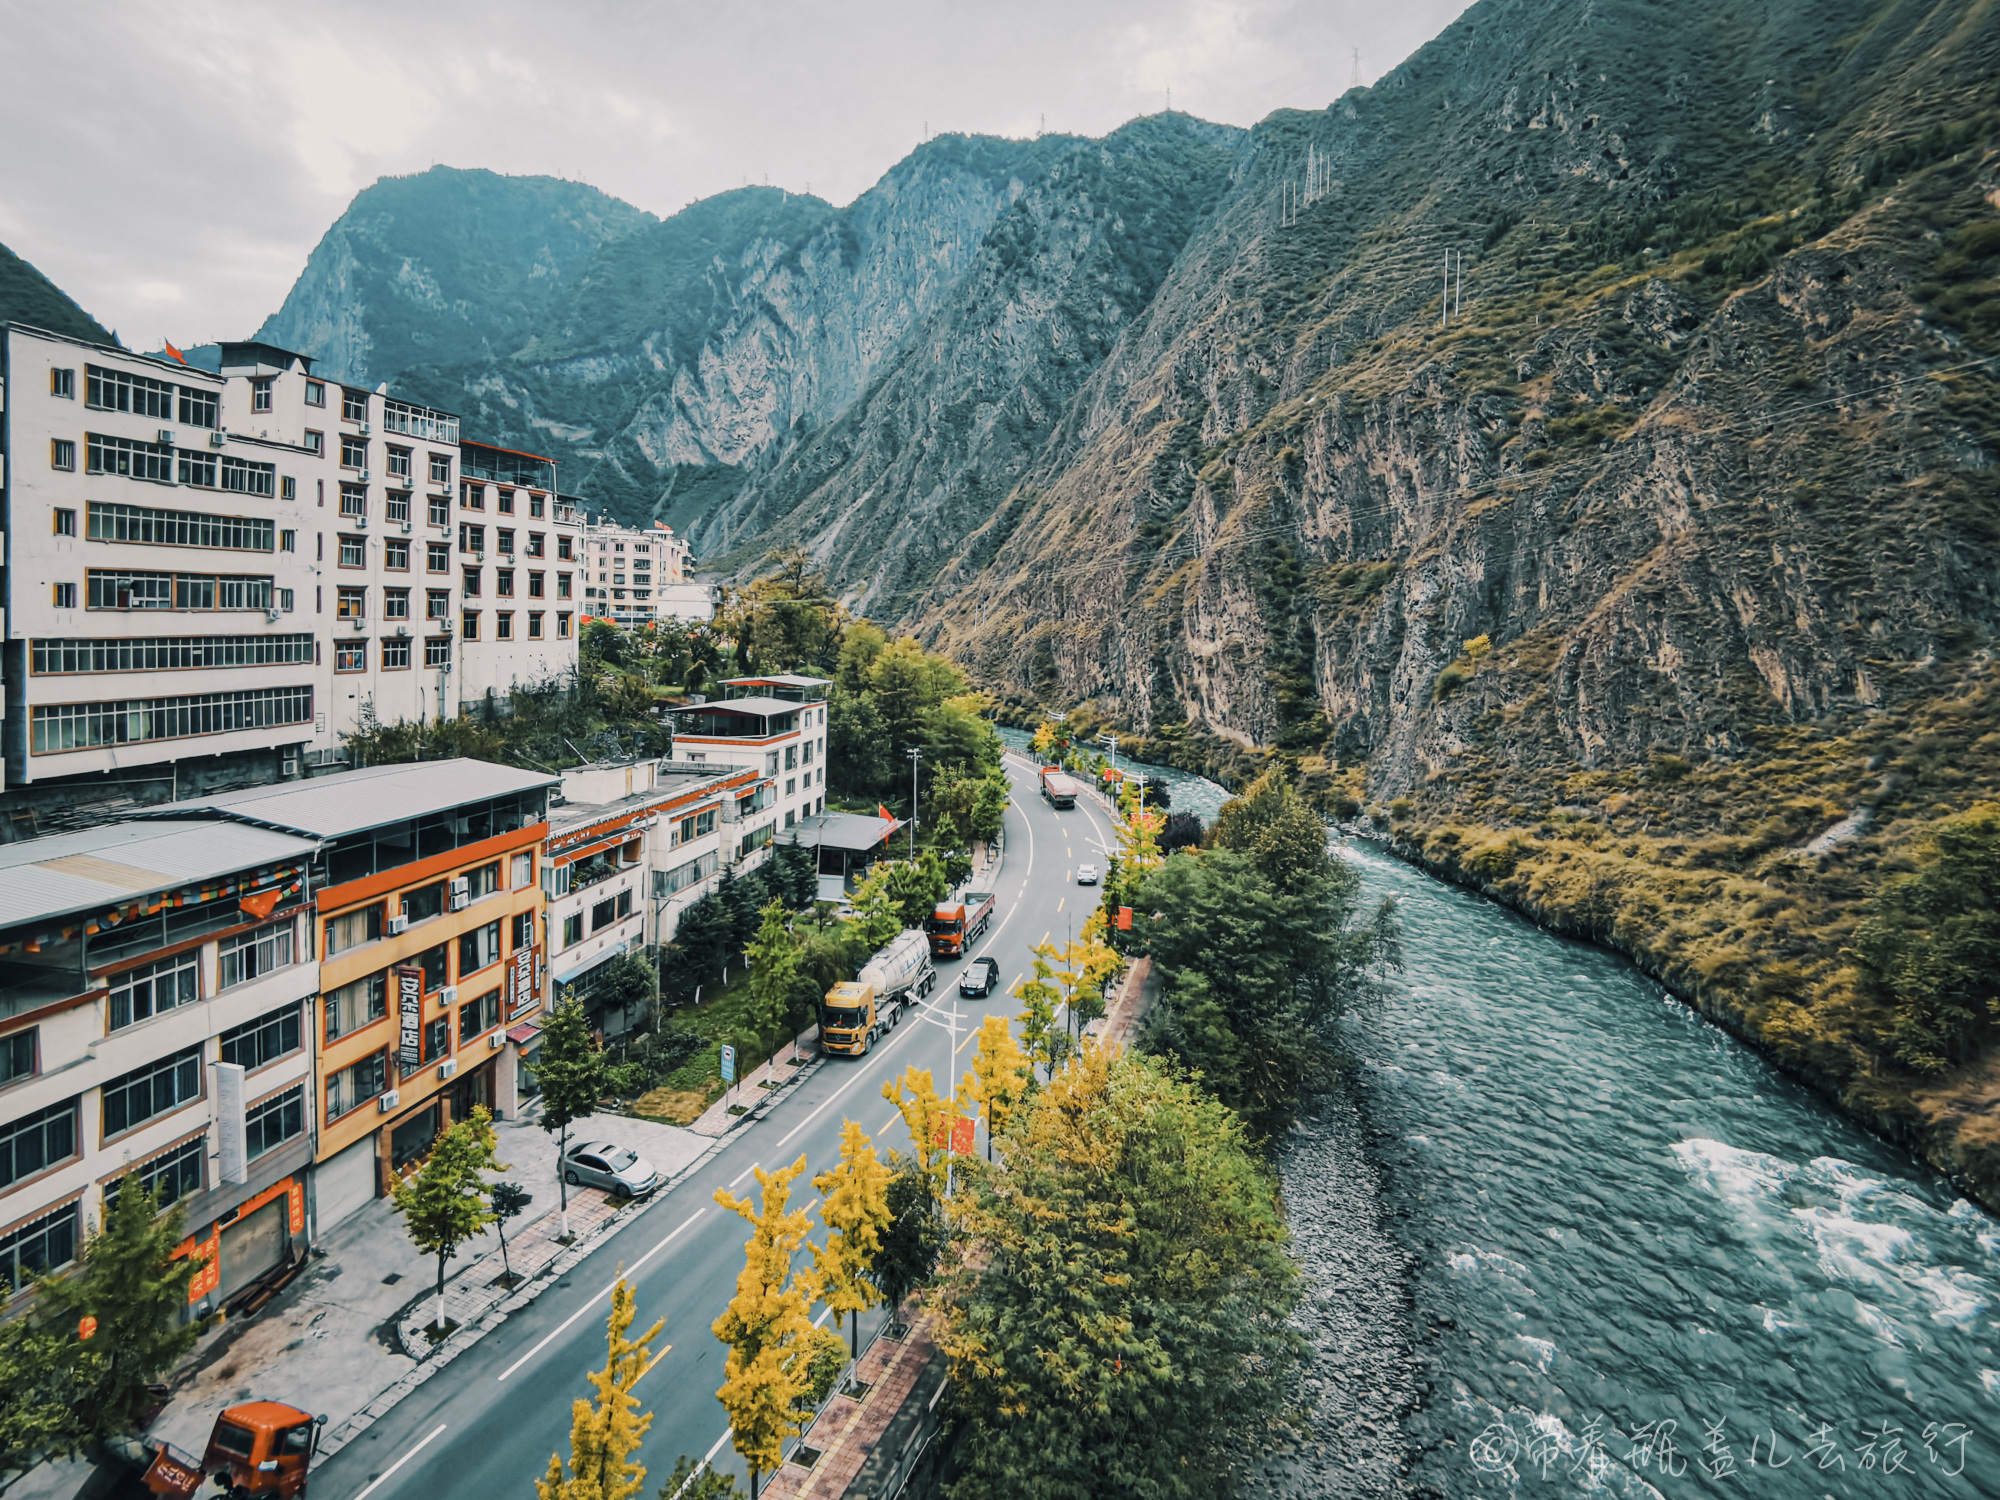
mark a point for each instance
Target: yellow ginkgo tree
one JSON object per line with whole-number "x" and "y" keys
{"x": 604, "y": 1436}
{"x": 855, "y": 1210}
{"x": 930, "y": 1119}
{"x": 999, "y": 1077}
{"x": 765, "y": 1325}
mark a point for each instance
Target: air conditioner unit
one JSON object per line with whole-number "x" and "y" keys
{"x": 402, "y": 630}
{"x": 386, "y": 1102}
{"x": 291, "y": 766}
{"x": 460, "y": 900}
{"x": 448, "y": 1069}
{"x": 362, "y": 475}
{"x": 271, "y": 616}
{"x": 445, "y": 668}
{"x": 167, "y": 436}
{"x": 217, "y": 438}
{"x": 496, "y": 1041}
{"x": 479, "y": 554}
{"x": 399, "y": 924}
{"x": 358, "y": 623}
{"x": 407, "y": 528}
{"x": 448, "y": 995}
{"x": 365, "y": 429}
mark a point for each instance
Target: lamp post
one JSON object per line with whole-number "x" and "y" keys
{"x": 915, "y": 754}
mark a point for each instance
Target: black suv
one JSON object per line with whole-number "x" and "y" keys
{"x": 979, "y": 978}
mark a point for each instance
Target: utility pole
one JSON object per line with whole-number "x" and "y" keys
{"x": 1458, "y": 300}
{"x": 1444, "y": 306}
{"x": 915, "y": 755}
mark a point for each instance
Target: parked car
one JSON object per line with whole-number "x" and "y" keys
{"x": 1086, "y": 874}
{"x": 622, "y": 1173}
{"x": 981, "y": 977}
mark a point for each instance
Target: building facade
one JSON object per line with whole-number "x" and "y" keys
{"x": 518, "y": 564}
{"x": 634, "y": 578}
{"x": 156, "y": 1004}
{"x": 427, "y": 912}
{"x": 774, "y": 725}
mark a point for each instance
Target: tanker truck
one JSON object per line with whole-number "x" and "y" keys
{"x": 858, "y": 1010}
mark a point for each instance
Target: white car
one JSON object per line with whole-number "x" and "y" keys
{"x": 1086, "y": 874}
{"x": 623, "y": 1173}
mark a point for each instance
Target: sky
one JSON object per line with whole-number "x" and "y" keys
{"x": 170, "y": 166}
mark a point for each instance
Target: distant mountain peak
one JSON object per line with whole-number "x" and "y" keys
{"x": 27, "y": 296}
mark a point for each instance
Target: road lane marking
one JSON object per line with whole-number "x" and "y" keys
{"x": 686, "y": 1224}
{"x": 383, "y": 1478}
{"x": 706, "y": 1459}
{"x": 649, "y": 1366}
{"x": 745, "y": 1173}
{"x": 1061, "y": 904}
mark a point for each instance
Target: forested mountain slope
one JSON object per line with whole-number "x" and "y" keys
{"x": 27, "y": 296}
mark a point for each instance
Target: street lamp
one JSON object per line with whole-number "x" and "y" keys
{"x": 915, "y": 755}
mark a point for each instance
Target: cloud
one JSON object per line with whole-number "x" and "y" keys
{"x": 171, "y": 167}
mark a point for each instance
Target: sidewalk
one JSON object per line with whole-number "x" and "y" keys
{"x": 763, "y": 1083}
{"x": 337, "y": 1340}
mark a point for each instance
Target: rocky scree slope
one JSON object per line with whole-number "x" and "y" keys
{"x": 1656, "y": 593}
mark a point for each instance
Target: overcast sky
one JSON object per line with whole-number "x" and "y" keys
{"x": 170, "y": 166}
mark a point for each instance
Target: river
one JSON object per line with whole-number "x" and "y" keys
{"x": 1565, "y": 1237}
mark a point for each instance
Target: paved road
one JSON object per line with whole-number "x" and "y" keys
{"x": 486, "y": 1424}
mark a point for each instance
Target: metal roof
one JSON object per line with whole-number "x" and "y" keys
{"x": 74, "y": 872}
{"x": 350, "y": 801}
{"x": 768, "y": 707}
{"x": 786, "y": 679}
{"x": 851, "y": 831}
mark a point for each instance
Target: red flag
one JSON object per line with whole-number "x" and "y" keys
{"x": 885, "y": 812}
{"x": 1124, "y": 919}
{"x": 962, "y": 1134}
{"x": 263, "y": 904}
{"x": 175, "y": 352}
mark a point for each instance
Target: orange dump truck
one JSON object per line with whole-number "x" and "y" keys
{"x": 956, "y": 923}
{"x": 258, "y": 1449}
{"x": 1059, "y": 787}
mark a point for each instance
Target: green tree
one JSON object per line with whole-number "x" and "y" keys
{"x": 693, "y": 1479}
{"x": 131, "y": 1282}
{"x": 1124, "y": 1329}
{"x": 444, "y": 1202}
{"x": 47, "y": 1375}
{"x": 857, "y": 747}
{"x": 604, "y": 1437}
{"x": 765, "y": 1325}
{"x": 507, "y": 1200}
{"x": 915, "y": 1238}
{"x": 571, "y": 1070}
{"x": 1043, "y": 1038}
{"x": 854, "y": 1208}
{"x": 1283, "y": 836}
{"x": 774, "y": 962}
{"x": 914, "y": 887}
{"x": 1931, "y": 946}
{"x": 878, "y": 913}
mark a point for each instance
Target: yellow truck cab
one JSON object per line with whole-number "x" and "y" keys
{"x": 847, "y": 1019}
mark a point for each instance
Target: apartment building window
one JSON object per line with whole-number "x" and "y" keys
{"x": 791, "y": 757}
{"x": 122, "y": 456}
{"x": 354, "y": 1086}
{"x": 563, "y": 549}
{"x": 350, "y": 656}
{"x": 668, "y": 882}
{"x": 349, "y": 604}
{"x": 153, "y": 527}
{"x": 572, "y": 931}
{"x": 437, "y": 604}
{"x": 521, "y": 931}
{"x": 396, "y": 507}
{"x": 431, "y": 961}
{"x": 37, "y": 1141}
{"x": 260, "y": 395}
{"x": 700, "y": 825}
{"x": 472, "y": 496}
{"x": 534, "y": 545}
{"x": 437, "y": 651}
{"x": 198, "y": 408}
{"x": 611, "y": 909}
{"x": 503, "y": 625}
{"x": 241, "y": 477}
{"x": 506, "y": 502}
{"x": 439, "y": 511}
{"x": 116, "y": 390}
{"x": 395, "y": 604}
{"x": 534, "y": 625}
{"x": 280, "y": 1118}
{"x": 353, "y": 452}
{"x": 469, "y": 624}
{"x": 146, "y": 1093}
{"x": 122, "y": 590}
{"x": 17, "y": 1055}
{"x": 436, "y": 1039}
{"x": 273, "y": 1035}
{"x": 62, "y": 384}
{"x": 478, "y": 948}
{"x": 471, "y": 538}
{"x": 478, "y": 1015}
{"x": 82, "y": 726}
{"x": 196, "y": 468}
{"x": 396, "y": 556}
{"x": 315, "y": 393}
{"x": 425, "y": 902}
{"x": 35, "y": 1249}
{"x": 65, "y": 522}
{"x": 62, "y": 455}
{"x": 504, "y": 535}
{"x": 142, "y": 993}
{"x": 562, "y": 585}
{"x": 169, "y": 1177}
{"x": 535, "y": 585}
{"x": 503, "y": 582}
{"x": 440, "y": 468}
{"x": 61, "y": 656}
{"x": 353, "y": 928}
{"x": 288, "y": 541}
{"x": 395, "y": 656}
{"x": 354, "y": 500}
{"x": 534, "y": 505}
{"x": 353, "y": 551}
{"x": 252, "y": 955}
{"x": 483, "y": 881}
{"x": 562, "y": 627}
{"x": 315, "y": 442}
{"x": 524, "y": 872}
{"x": 356, "y": 1005}
{"x": 437, "y": 557}
{"x": 353, "y": 406}
{"x": 397, "y": 462}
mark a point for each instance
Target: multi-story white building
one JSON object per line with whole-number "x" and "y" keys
{"x": 635, "y": 578}
{"x": 518, "y": 565}
{"x": 630, "y": 847}
{"x": 159, "y": 584}
{"x": 156, "y": 1016}
{"x": 775, "y": 726}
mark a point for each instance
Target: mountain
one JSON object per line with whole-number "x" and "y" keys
{"x": 27, "y": 296}
{"x": 445, "y": 265}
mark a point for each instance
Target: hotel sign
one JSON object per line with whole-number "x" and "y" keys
{"x": 410, "y": 1016}
{"x": 522, "y": 995}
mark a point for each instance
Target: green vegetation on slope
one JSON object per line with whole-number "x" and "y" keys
{"x": 27, "y": 296}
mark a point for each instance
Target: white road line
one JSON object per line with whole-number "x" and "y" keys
{"x": 628, "y": 1274}
{"x": 383, "y": 1478}
{"x": 745, "y": 1173}
{"x": 707, "y": 1459}
{"x": 1061, "y": 904}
